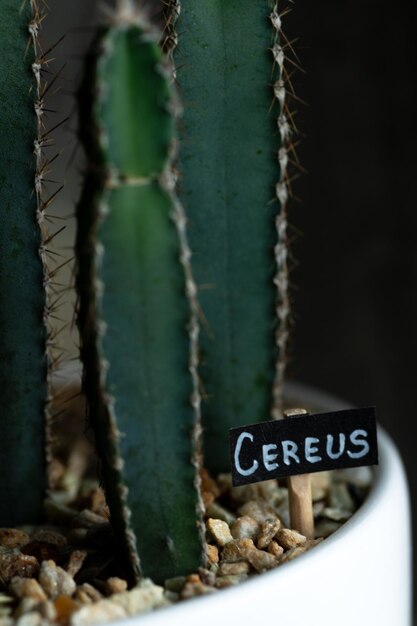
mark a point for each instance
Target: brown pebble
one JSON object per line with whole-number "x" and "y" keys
{"x": 88, "y": 519}
{"x": 288, "y": 538}
{"x": 268, "y": 531}
{"x": 44, "y": 551}
{"x": 192, "y": 590}
{"x": 208, "y": 577}
{"x": 298, "y": 550}
{"x": 261, "y": 560}
{"x": 212, "y": 553}
{"x": 116, "y": 585}
{"x": 13, "y": 563}
{"x": 267, "y": 490}
{"x": 245, "y": 528}
{"x": 259, "y": 511}
{"x": 275, "y": 549}
{"x": 219, "y": 530}
{"x": 12, "y": 538}
{"x": 65, "y": 607}
{"x": 231, "y": 552}
{"x": 208, "y": 484}
{"x": 49, "y": 536}
{"x": 233, "y": 569}
{"x": 76, "y": 561}
{"x": 90, "y": 592}
{"x": 193, "y": 579}
{"x": 229, "y": 581}
{"x": 27, "y": 587}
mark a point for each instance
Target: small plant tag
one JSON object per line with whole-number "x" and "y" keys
{"x": 303, "y": 444}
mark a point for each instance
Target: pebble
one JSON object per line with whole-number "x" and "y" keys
{"x": 298, "y": 550}
{"x": 49, "y": 536}
{"x": 275, "y": 549}
{"x": 76, "y": 561}
{"x": 290, "y": 538}
{"x": 88, "y": 519}
{"x": 234, "y": 569}
{"x": 212, "y": 554}
{"x": 266, "y": 490}
{"x": 208, "y": 577}
{"x": 320, "y": 484}
{"x": 116, "y": 585}
{"x": 219, "y": 530}
{"x": 192, "y": 590}
{"x": 219, "y": 512}
{"x": 27, "y": 588}
{"x": 101, "y": 612}
{"x": 228, "y": 581}
{"x": 231, "y": 552}
{"x": 64, "y": 607}
{"x": 13, "y": 563}
{"x": 260, "y": 560}
{"x": 358, "y": 476}
{"x": 340, "y": 498}
{"x": 259, "y": 511}
{"x": 245, "y": 528}
{"x": 87, "y": 594}
{"x": 268, "y": 531}
{"x": 325, "y": 528}
{"x": 29, "y": 619}
{"x": 140, "y": 599}
{"x": 336, "y": 514}
{"x": 55, "y": 580}
{"x": 11, "y": 538}
{"x": 26, "y": 605}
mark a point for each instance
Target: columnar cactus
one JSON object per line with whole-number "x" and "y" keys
{"x": 232, "y": 185}
{"x": 139, "y": 316}
{"x": 25, "y": 331}
{"x": 137, "y": 304}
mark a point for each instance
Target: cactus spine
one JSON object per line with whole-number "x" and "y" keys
{"x": 232, "y": 185}
{"x": 25, "y": 332}
{"x": 140, "y": 371}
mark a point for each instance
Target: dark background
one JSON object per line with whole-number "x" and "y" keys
{"x": 355, "y": 225}
{"x": 354, "y": 221}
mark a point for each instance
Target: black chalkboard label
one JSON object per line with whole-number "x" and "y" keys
{"x": 303, "y": 444}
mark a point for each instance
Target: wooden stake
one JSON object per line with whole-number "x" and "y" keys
{"x": 299, "y": 494}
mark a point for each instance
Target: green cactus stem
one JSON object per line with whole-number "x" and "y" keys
{"x": 137, "y": 311}
{"x": 232, "y": 186}
{"x": 23, "y": 308}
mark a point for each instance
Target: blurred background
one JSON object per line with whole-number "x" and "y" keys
{"x": 354, "y": 214}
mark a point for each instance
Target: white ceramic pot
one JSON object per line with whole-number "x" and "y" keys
{"x": 360, "y": 576}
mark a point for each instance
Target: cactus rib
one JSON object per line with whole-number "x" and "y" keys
{"x": 232, "y": 185}
{"x": 23, "y": 332}
{"x": 133, "y": 309}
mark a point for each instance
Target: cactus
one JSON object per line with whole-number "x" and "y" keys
{"x": 232, "y": 185}
{"x": 138, "y": 312}
{"x": 136, "y": 300}
{"x": 24, "y": 324}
